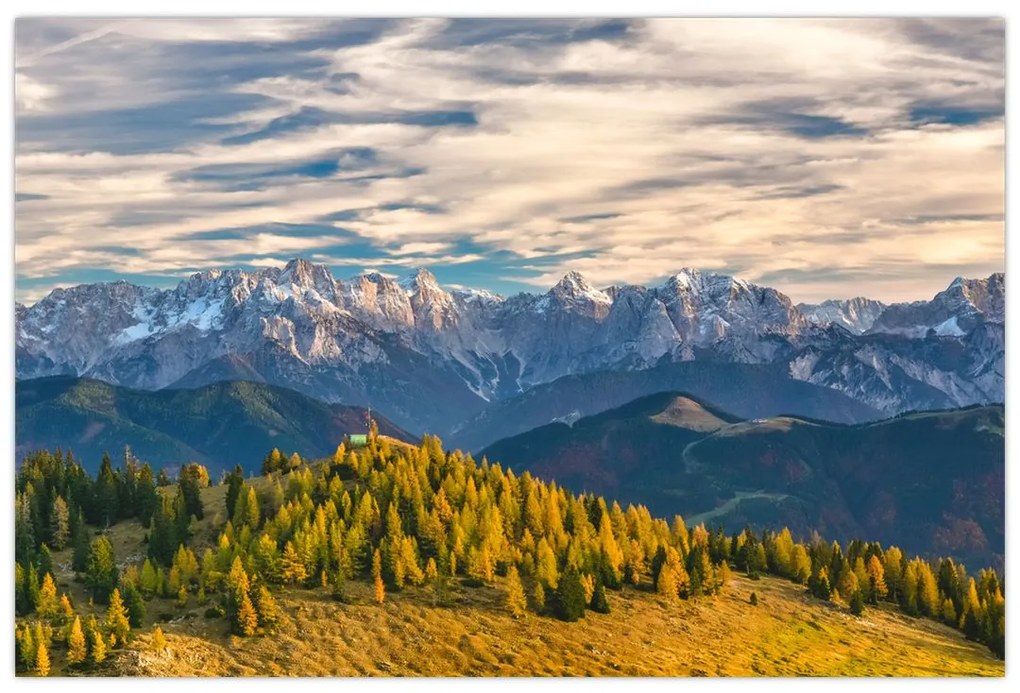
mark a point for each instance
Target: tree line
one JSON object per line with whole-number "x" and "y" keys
{"x": 395, "y": 515}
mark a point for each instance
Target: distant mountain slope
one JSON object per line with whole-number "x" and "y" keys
{"x": 930, "y": 482}
{"x": 219, "y": 425}
{"x": 748, "y": 391}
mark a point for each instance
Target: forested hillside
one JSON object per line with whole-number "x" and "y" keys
{"x": 930, "y": 482}
{"x": 108, "y": 566}
{"x": 219, "y": 425}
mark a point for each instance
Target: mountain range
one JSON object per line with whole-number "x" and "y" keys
{"x": 929, "y": 482}
{"x": 392, "y": 344}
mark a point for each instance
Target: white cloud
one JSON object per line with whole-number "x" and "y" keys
{"x": 703, "y": 143}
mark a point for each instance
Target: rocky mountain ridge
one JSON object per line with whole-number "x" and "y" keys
{"x": 375, "y": 340}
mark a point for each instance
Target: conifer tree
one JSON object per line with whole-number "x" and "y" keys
{"x": 192, "y": 479}
{"x": 148, "y": 581}
{"x": 599, "y": 602}
{"x": 44, "y": 561}
{"x": 117, "y": 619}
{"x": 47, "y": 604}
{"x": 266, "y": 608}
{"x": 42, "y": 659}
{"x": 516, "y": 603}
{"x": 101, "y": 569}
{"x": 819, "y": 585}
{"x": 949, "y": 615}
{"x": 27, "y": 647}
{"x": 234, "y": 481}
{"x": 146, "y": 494}
{"x": 539, "y": 598}
{"x": 292, "y": 568}
{"x": 545, "y": 565}
{"x": 892, "y": 565}
{"x": 76, "y": 651}
{"x": 569, "y": 603}
{"x": 158, "y": 643}
{"x": 800, "y": 564}
{"x": 857, "y": 603}
{"x": 380, "y": 589}
{"x": 666, "y": 584}
{"x": 107, "y": 495}
{"x": 247, "y": 621}
{"x": 60, "y": 524}
{"x": 134, "y": 603}
{"x": 877, "y": 588}
{"x": 65, "y": 609}
{"x": 97, "y": 646}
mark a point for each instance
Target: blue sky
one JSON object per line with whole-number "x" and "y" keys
{"x": 827, "y": 158}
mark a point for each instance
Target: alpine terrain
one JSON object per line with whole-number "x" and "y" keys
{"x": 374, "y": 341}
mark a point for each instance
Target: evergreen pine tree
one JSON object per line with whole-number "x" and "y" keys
{"x": 192, "y": 479}
{"x": 857, "y": 602}
{"x": 101, "y": 569}
{"x": 569, "y": 603}
{"x": 44, "y": 561}
{"x": 147, "y": 497}
{"x": 107, "y": 493}
{"x": 235, "y": 481}
{"x": 599, "y": 602}
{"x": 134, "y": 603}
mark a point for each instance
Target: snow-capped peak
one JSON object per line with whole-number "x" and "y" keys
{"x": 421, "y": 280}
{"x": 574, "y": 285}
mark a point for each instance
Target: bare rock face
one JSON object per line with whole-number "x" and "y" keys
{"x": 855, "y": 314}
{"x": 965, "y": 304}
{"x": 375, "y": 340}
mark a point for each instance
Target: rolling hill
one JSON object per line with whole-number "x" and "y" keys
{"x": 219, "y": 425}
{"x": 930, "y": 482}
{"x": 788, "y": 633}
{"x": 748, "y": 391}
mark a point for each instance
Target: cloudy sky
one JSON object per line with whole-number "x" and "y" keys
{"x": 826, "y": 158}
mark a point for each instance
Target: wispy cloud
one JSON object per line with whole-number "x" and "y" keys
{"x": 818, "y": 155}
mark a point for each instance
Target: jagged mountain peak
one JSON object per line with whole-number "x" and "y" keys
{"x": 575, "y": 285}
{"x": 421, "y": 280}
{"x": 302, "y": 272}
{"x": 856, "y": 314}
